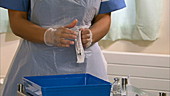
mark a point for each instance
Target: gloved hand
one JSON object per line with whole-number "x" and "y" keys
{"x": 60, "y": 36}
{"x": 86, "y": 37}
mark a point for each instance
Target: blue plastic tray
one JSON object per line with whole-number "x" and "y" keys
{"x": 67, "y": 85}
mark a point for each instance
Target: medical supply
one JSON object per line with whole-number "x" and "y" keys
{"x": 21, "y": 88}
{"x": 67, "y": 85}
{"x": 134, "y": 91}
{"x": 116, "y": 87}
{"x": 79, "y": 47}
{"x": 124, "y": 83}
{"x": 162, "y": 94}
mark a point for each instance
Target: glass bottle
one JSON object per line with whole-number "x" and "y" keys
{"x": 116, "y": 87}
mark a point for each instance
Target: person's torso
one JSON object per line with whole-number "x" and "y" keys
{"x": 54, "y": 13}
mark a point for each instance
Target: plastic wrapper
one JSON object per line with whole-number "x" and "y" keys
{"x": 134, "y": 91}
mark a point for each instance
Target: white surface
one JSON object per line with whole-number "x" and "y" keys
{"x": 148, "y": 71}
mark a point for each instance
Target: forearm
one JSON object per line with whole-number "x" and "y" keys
{"x": 24, "y": 28}
{"x": 100, "y": 27}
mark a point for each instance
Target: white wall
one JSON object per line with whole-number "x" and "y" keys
{"x": 8, "y": 46}
{"x": 150, "y": 72}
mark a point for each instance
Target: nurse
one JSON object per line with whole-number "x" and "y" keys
{"x": 47, "y": 29}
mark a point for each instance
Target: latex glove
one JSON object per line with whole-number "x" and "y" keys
{"x": 60, "y": 36}
{"x": 86, "y": 37}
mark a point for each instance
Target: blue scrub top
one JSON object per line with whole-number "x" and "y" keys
{"x": 111, "y": 5}
{"x": 24, "y": 5}
{"x": 20, "y": 5}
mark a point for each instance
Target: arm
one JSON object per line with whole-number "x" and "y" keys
{"x": 97, "y": 31}
{"x": 100, "y": 26}
{"x": 27, "y": 30}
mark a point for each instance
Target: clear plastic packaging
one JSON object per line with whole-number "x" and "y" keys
{"x": 133, "y": 91}
{"x": 78, "y": 46}
{"x": 79, "y": 49}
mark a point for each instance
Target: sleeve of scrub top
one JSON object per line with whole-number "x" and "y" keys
{"x": 111, "y": 5}
{"x": 20, "y": 5}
